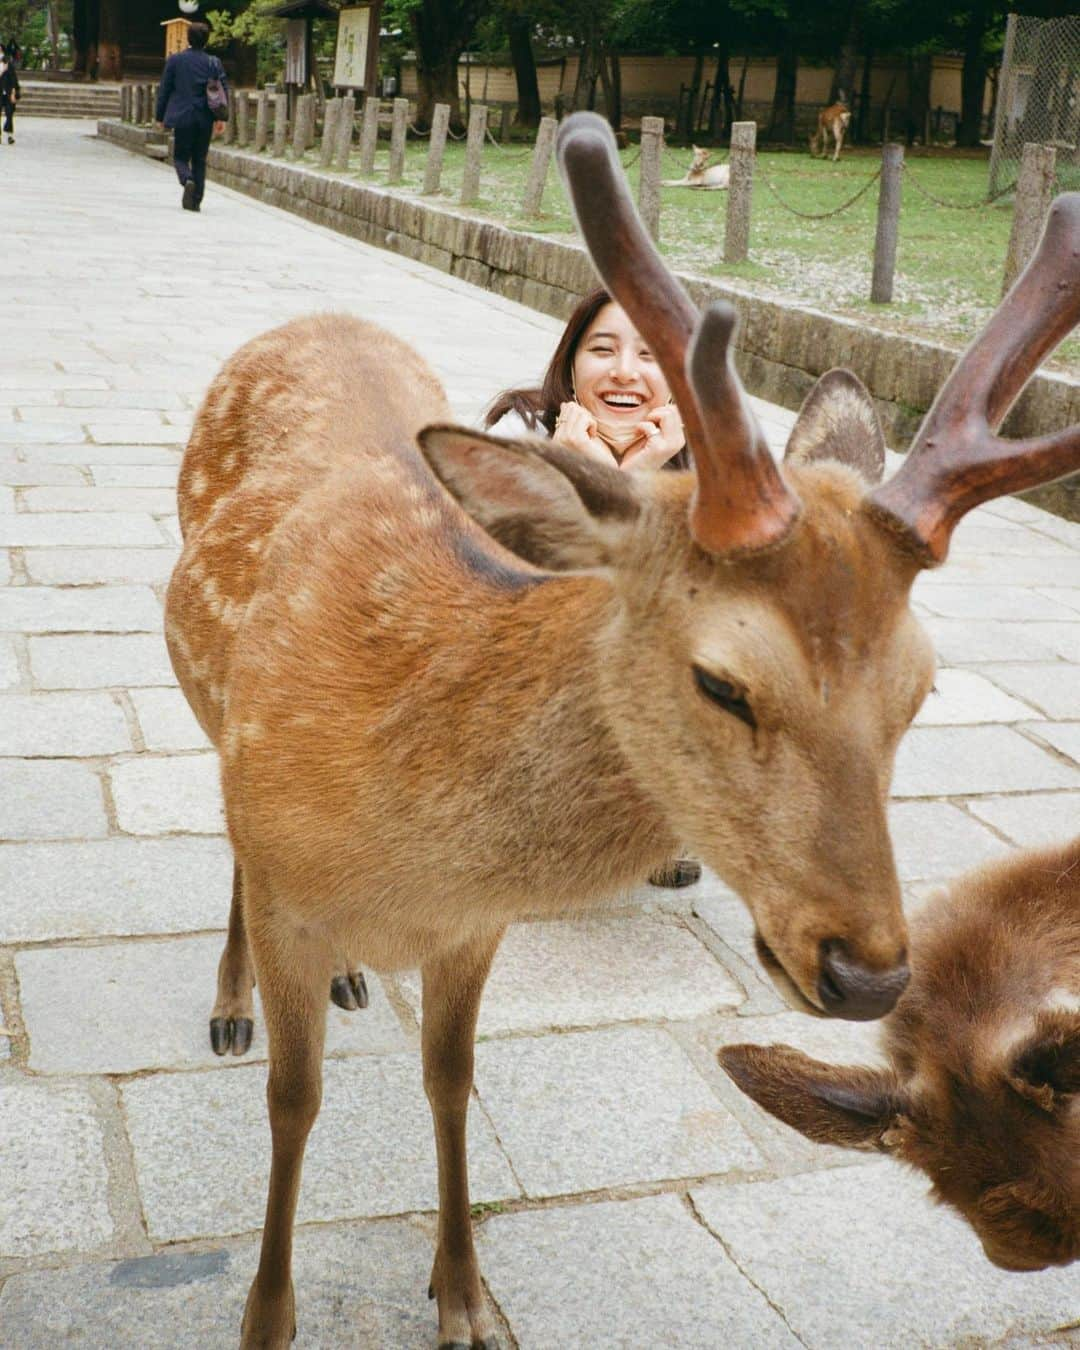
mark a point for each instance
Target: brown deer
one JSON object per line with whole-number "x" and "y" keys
{"x": 832, "y": 121}
{"x": 455, "y": 680}
{"x": 701, "y": 174}
{"x": 983, "y": 1089}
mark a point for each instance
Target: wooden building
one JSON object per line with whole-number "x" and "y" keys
{"x": 117, "y": 39}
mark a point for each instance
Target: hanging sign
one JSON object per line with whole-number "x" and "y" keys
{"x": 296, "y": 51}
{"x": 354, "y": 39}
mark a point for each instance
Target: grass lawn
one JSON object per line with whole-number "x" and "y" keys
{"x": 949, "y": 261}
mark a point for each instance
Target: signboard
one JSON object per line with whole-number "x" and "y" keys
{"x": 296, "y": 51}
{"x": 353, "y": 41}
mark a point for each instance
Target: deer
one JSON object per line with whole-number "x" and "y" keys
{"x": 702, "y": 174}
{"x": 982, "y": 1088}
{"x": 421, "y": 652}
{"x": 832, "y": 121}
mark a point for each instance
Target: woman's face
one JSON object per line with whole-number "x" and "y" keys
{"x": 616, "y": 377}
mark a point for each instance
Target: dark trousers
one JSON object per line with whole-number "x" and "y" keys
{"x": 191, "y": 143}
{"x": 8, "y": 107}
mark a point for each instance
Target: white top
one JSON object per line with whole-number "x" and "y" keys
{"x": 512, "y": 424}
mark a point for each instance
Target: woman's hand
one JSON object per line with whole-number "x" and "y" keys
{"x": 664, "y": 439}
{"x": 576, "y": 429}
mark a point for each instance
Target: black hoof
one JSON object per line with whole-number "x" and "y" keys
{"x": 431, "y": 1291}
{"x": 681, "y": 872}
{"x": 243, "y": 1030}
{"x": 231, "y": 1033}
{"x": 220, "y": 1035}
{"x": 341, "y": 993}
{"x": 359, "y": 987}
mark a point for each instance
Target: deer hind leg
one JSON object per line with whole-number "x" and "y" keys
{"x": 232, "y": 1020}
{"x": 838, "y": 138}
{"x": 292, "y": 976}
{"x": 348, "y": 988}
{"x": 453, "y": 984}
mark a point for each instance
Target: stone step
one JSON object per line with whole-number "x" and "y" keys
{"x": 45, "y": 99}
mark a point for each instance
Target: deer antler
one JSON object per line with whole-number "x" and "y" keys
{"x": 956, "y": 461}
{"x": 741, "y": 504}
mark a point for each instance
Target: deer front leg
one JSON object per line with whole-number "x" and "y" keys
{"x": 452, "y": 987}
{"x": 292, "y": 977}
{"x": 232, "y": 1020}
{"x": 838, "y": 137}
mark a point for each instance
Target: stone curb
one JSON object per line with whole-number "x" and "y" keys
{"x": 782, "y": 349}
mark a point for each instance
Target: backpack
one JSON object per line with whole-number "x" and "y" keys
{"x": 217, "y": 100}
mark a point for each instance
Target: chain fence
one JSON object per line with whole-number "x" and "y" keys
{"x": 815, "y": 215}
{"x": 1038, "y": 98}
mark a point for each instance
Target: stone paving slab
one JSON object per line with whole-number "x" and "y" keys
{"x": 54, "y": 1196}
{"x": 114, "y": 887}
{"x": 50, "y": 799}
{"x": 964, "y": 698}
{"x": 639, "y": 1273}
{"x": 118, "y": 529}
{"x": 98, "y": 661}
{"x": 72, "y": 725}
{"x": 969, "y": 761}
{"x": 97, "y": 566}
{"x": 166, "y": 720}
{"x": 151, "y": 1007}
{"x": 871, "y": 1229}
{"x": 369, "y": 1153}
{"x": 1032, "y": 821}
{"x": 597, "y": 970}
{"x": 589, "y": 1110}
{"x": 358, "y": 1285}
{"x": 168, "y": 794}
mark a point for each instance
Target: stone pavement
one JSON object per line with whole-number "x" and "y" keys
{"x": 630, "y": 1196}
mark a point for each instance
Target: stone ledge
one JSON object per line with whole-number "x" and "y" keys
{"x": 782, "y": 349}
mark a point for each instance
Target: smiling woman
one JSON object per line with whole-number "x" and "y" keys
{"x": 603, "y": 394}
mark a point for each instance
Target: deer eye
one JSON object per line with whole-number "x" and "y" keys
{"x": 724, "y": 693}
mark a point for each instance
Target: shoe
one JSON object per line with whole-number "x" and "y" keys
{"x": 676, "y": 873}
{"x": 188, "y": 199}
{"x": 11, "y": 140}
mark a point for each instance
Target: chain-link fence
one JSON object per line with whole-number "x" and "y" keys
{"x": 1038, "y": 98}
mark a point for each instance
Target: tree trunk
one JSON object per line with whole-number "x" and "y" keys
{"x": 109, "y": 51}
{"x": 973, "y": 78}
{"x": 612, "y": 86}
{"x": 53, "y": 28}
{"x": 686, "y": 131}
{"x": 738, "y": 117}
{"x": 518, "y": 30}
{"x": 442, "y": 30}
{"x": 842, "y": 89}
{"x": 722, "y": 94}
{"x": 918, "y": 96}
{"x": 861, "y": 128}
{"x": 84, "y": 35}
{"x": 584, "y": 95}
{"x": 782, "y": 122}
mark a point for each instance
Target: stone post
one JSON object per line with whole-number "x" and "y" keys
{"x": 305, "y": 117}
{"x": 344, "y": 133}
{"x": 474, "y": 144}
{"x": 534, "y": 188}
{"x": 436, "y": 146}
{"x": 1034, "y": 193}
{"x": 888, "y": 224}
{"x": 228, "y": 136}
{"x": 398, "y": 130}
{"x": 243, "y": 118}
{"x": 125, "y": 103}
{"x": 504, "y": 122}
{"x": 652, "y": 142}
{"x": 281, "y": 124}
{"x": 262, "y": 121}
{"x": 369, "y": 134}
{"x": 140, "y": 104}
{"x": 740, "y": 191}
{"x": 329, "y": 132}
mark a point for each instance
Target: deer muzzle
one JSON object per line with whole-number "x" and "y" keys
{"x": 854, "y": 991}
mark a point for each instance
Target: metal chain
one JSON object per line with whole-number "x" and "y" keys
{"x": 629, "y": 163}
{"x": 454, "y": 135}
{"x": 816, "y": 215}
{"x": 514, "y": 154}
{"x": 954, "y": 206}
{"x": 411, "y": 126}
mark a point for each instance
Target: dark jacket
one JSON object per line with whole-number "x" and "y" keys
{"x": 9, "y": 85}
{"x": 182, "y": 91}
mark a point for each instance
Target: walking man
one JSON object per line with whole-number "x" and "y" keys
{"x": 182, "y": 107}
{"x": 9, "y": 89}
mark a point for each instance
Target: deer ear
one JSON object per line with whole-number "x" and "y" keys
{"x": 838, "y": 421}
{"x": 550, "y": 506}
{"x": 1047, "y": 1067}
{"x": 849, "y": 1107}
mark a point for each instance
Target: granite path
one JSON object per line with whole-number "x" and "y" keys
{"x": 629, "y": 1196}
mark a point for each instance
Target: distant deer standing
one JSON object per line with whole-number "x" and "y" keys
{"x": 983, "y": 1089}
{"x": 426, "y": 669}
{"x": 832, "y": 121}
{"x": 702, "y": 174}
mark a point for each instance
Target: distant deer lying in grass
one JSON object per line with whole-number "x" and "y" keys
{"x": 455, "y": 680}
{"x": 983, "y": 1089}
{"x": 702, "y": 174}
{"x": 832, "y": 121}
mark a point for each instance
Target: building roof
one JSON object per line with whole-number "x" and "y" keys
{"x": 303, "y": 9}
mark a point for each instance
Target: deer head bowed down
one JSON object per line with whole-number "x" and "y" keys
{"x": 455, "y": 680}
{"x": 982, "y": 1092}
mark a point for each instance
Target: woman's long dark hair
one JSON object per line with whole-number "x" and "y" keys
{"x": 539, "y": 407}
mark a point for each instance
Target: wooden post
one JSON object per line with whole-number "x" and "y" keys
{"x": 229, "y": 134}
{"x": 436, "y": 145}
{"x": 243, "y": 118}
{"x": 369, "y": 134}
{"x": 125, "y": 103}
{"x": 1034, "y": 193}
{"x": 281, "y": 124}
{"x": 329, "y": 131}
{"x": 343, "y": 140}
{"x": 504, "y": 122}
{"x": 652, "y": 143}
{"x": 262, "y": 121}
{"x": 474, "y": 145}
{"x": 888, "y": 224}
{"x": 534, "y": 188}
{"x": 140, "y": 103}
{"x": 398, "y": 129}
{"x": 740, "y": 191}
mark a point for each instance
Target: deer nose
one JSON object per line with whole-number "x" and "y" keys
{"x": 851, "y": 990}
